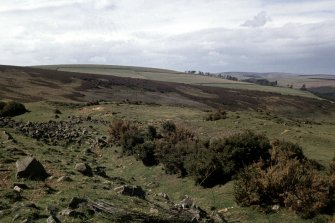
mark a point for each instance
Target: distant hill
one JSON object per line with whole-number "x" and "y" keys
{"x": 173, "y": 76}
{"x": 27, "y": 84}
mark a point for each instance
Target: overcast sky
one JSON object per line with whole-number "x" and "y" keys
{"x": 208, "y": 35}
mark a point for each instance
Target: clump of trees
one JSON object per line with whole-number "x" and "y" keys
{"x": 11, "y": 109}
{"x": 263, "y": 81}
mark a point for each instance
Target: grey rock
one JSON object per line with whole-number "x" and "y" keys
{"x": 29, "y": 167}
{"x": 64, "y": 179}
{"x": 84, "y": 169}
{"x": 53, "y": 219}
{"x": 76, "y": 201}
{"x": 71, "y": 213}
{"x": 131, "y": 191}
{"x": 186, "y": 203}
{"x": 21, "y": 185}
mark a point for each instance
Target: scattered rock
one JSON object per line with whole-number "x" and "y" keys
{"x": 76, "y": 201}
{"x": 64, "y": 179}
{"x": 163, "y": 195}
{"x": 71, "y": 213}
{"x": 21, "y": 185}
{"x": 29, "y": 167}
{"x": 6, "y": 136}
{"x": 84, "y": 169}
{"x": 186, "y": 203}
{"x": 275, "y": 207}
{"x": 53, "y": 219}
{"x": 52, "y": 210}
{"x": 131, "y": 191}
{"x": 100, "y": 171}
{"x": 153, "y": 211}
{"x": 17, "y": 189}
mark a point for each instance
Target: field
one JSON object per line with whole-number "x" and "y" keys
{"x": 307, "y": 121}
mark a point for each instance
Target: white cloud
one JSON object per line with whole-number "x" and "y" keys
{"x": 176, "y": 34}
{"x": 259, "y": 20}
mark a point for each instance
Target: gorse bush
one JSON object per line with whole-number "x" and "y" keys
{"x": 181, "y": 152}
{"x": 217, "y": 162}
{"x": 276, "y": 173}
{"x": 290, "y": 181}
{"x": 11, "y": 109}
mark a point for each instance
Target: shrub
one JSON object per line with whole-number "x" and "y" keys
{"x": 220, "y": 114}
{"x": 173, "y": 155}
{"x": 240, "y": 150}
{"x": 11, "y": 108}
{"x": 282, "y": 150}
{"x": 146, "y": 152}
{"x": 2, "y": 104}
{"x": 289, "y": 182}
{"x": 127, "y": 135}
{"x": 117, "y": 128}
{"x": 131, "y": 140}
{"x": 168, "y": 127}
{"x": 57, "y": 111}
{"x": 151, "y": 132}
{"x": 205, "y": 167}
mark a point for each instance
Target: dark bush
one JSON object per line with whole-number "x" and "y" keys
{"x": 173, "y": 155}
{"x": 131, "y": 140}
{"x": 168, "y": 127}
{"x": 146, "y": 152}
{"x": 57, "y": 111}
{"x": 11, "y": 109}
{"x": 220, "y": 114}
{"x": 2, "y": 104}
{"x": 205, "y": 167}
{"x": 240, "y": 150}
{"x": 151, "y": 132}
{"x": 127, "y": 135}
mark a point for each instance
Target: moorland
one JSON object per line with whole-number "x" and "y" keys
{"x": 134, "y": 144}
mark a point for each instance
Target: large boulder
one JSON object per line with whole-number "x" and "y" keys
{"x": 29, "y": 167}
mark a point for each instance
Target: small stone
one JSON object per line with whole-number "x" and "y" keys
{"x": 53, "y": 219}
{"x": 84, "y": 169}
{"x": 71, "y": 213}
{"x": 275, "y": 207}
{"x": 21, "y": 185}
{"x": 64, "y": 179}
{"x": 17, "y": 189}
{"x": 76, "y": 201}
{"x": 153, "y": 211}
{"x": 186, "y": 203}
{"x": 164, "y": 195}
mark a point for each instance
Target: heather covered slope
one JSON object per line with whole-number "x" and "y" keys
{"x": 32, "y": 84}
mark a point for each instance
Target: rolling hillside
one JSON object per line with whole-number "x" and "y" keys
{"x": 173, "y": 76}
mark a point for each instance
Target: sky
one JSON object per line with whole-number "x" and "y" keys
{"x": 295, "y": 36}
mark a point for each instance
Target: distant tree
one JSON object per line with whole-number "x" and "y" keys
{"x": 303, "y": 87}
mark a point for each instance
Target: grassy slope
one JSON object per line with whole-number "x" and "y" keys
{"x": 172, "y": 76}
{"x": 309, "y": 128}
{"x": 310, "y": 136}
